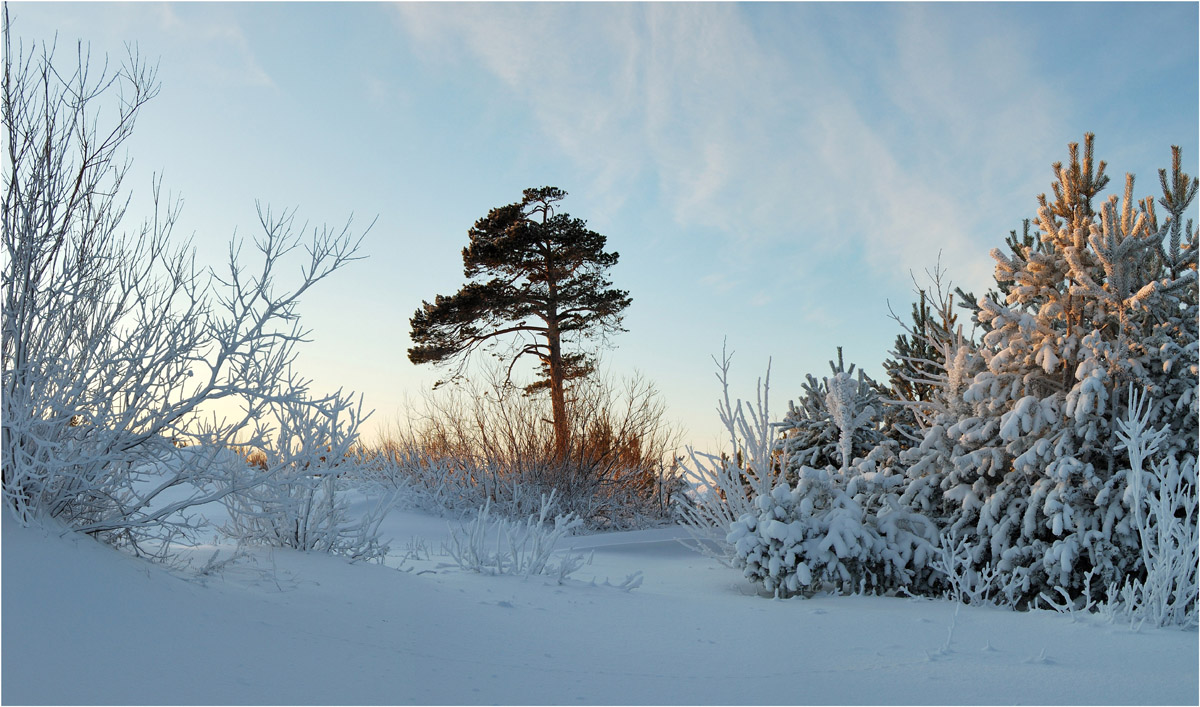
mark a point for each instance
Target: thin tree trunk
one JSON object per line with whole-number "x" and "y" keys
{"x": 558, "y": 398}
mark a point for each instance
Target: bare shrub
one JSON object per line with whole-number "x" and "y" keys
{"x": 492, "y": 443}
{"x": 115, "y": 343}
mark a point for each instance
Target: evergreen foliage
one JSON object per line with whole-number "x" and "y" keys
{"x": 536, "y": 274}
{"x": 1008, "y": 452}
{"x": 915, "y": 369}
{"x": 836, "y": 421}
{"x": 835, "y": 531}
{"x": 1028, "y": 461}
{"x": 835, "y": 523}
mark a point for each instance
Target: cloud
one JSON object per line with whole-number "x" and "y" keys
{"x": 882, "y": 143}
{"x": 216, "y": 44}
{"x": 575, "y": 67}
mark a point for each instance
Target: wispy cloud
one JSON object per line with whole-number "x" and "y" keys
{"x": 575, "y": 67}
{"x": 219, "y": 45}
{"x": 884, "y": 144}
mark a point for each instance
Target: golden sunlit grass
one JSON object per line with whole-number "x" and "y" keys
{"x": 493, "y": 442}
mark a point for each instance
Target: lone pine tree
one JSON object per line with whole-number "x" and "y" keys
{"x": 535, "y": 274}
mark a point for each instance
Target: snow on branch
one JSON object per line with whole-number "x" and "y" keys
{"x": 1166, "y": 524}
{"x": 514, "y": 547}
{"x": 722, "y": 487}
{"x": 116, "y": 344}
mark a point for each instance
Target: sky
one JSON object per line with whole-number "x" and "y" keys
{"x": 774, "y": 176}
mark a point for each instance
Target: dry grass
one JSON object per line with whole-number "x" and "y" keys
{"x": 493, "y": 442}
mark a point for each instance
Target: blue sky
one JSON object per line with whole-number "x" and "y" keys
{"x": 770, "y": 173}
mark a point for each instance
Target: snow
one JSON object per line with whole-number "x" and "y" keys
{"x": 83, "y": 623}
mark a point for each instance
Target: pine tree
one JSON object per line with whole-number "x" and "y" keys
{"x": 538, "y": 275}
{"x": 917, "y": 364}
{"x": 812, "y": 433}
{"x": 1025, "y": 461}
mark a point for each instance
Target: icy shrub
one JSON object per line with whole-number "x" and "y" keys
{"x": 965, "y": 583}
{"x": 1167, "y": 595}
{"x": 440, "y": 486}
{"x": 113, "y": 338}
{"x": 1166, "y": 523}
{"x": 307, "y": 512}
{"x": 298, "y": 499}
{"x": 720, "y": 490}
{"x": 818, "y": 537}
{"x": 523, "y": 548}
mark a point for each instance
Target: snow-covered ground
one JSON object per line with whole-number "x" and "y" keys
{"x": 83, "y": 623}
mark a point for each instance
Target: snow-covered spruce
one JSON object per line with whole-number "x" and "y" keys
{"x": 835, "y": 420}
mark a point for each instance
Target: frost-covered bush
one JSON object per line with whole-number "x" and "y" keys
{"x": 721, "y": 488}
{"x": 434, "y": 485}
{"x": 309, "y": 512}
{"x": 1164, "y": 502}
{"x": 113, "y": 340}
{"x": 524, "y": 548}
{"x": 1167, "y": 594}
{"x": 825, "y": 534}
{"x": 964, "y": 581}
{"x": 298, "y": 498}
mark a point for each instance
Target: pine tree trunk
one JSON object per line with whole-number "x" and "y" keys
{"x": 558, "y": 397}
